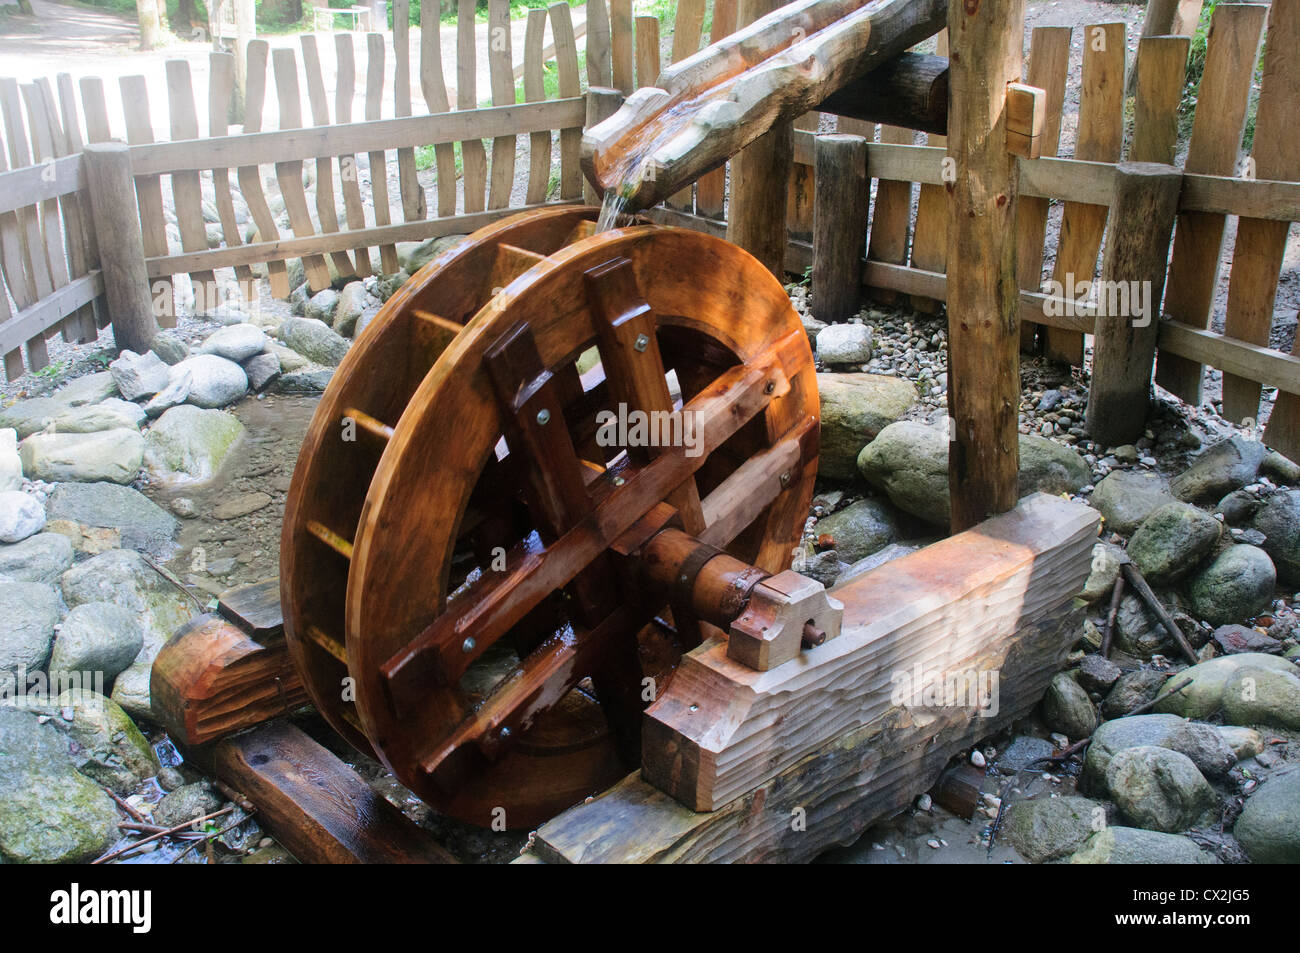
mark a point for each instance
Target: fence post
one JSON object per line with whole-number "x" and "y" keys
{"x": 602, "y": 102}
{"x": 1141, "y": 225}
{"x": 121, "y": 247}
{"x": 839, "y": 225}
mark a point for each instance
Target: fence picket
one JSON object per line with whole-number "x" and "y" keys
{"x": 388, "y": 262}
{"x": 326, "y": 210}
{"x": 473, "y": 156}
{"x": 249, "y": 176}
{"x": 345, "y": 77}
{"x": 539, "y": 146}
{"x": 221, "y": 81}
{"x": 414, "y": 207}
{"x": 501, "y": 71}
{"x": 433, "y": 84}
{"x": 187, "y": 190}
{"x": 566, "y": 61}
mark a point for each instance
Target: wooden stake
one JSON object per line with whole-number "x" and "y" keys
{"x": 839, "y": 225}
{"x": 983, "y": 301}
{"x": 1124, "y": 346}
{"x": 126, "y": 281}
{"x": 602, "y": 102}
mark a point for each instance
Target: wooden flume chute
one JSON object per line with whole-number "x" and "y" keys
{"x": 483, "y": 591}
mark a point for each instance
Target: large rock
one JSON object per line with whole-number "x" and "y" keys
{"x": 1127, "y": 497}
{"x": 262, "y": 369}
{"x": 142, "y": 523}
{"x": 1045, "y": 829}
{"x": 21, "y": 515}
{"x": 1137, "y": 631}
{"x": 237, "y": 343}
{"x": 1279, "y": 520}
{"x": 30, "y": 416}
{"x": 353, "y": 300}
{"x": 40, "y": 558}
{"x": 111, "y": 414}
{"x": 111, "y": 455}
{"x": 1158, "y": 789}
{"x": 314, "y": 340}
{"x": 1067, "y": 707}
{"x": 189, "y": 445}
{"x": 1132, "y": 691}
{"x": 1236, "y": 586}
{"x": 124, "y": 578}
{"x": 416, "y": 255}
{"x": 1203, "y": 744}
{"x": 49, "y": 812}
{"x": 1269, "y": 825}
{"x": 186, "y": 803}
{"x": 860, "y": 529}
{"x": 855, "y": 408}
{"x": 11, "y": 465}
{"x": 139, "y": 375}
{"x": 29, "y": 611}
{"x": 1106, "y": 559}
{"x": 1172, "y": 540}
{"x": 1210, "y": 682}
{"x": 321, "y": 305}
{"x": 214, "y": 381}
{"x": 311, "y": 379}
{"x": 844, "y": 344}
{"x": 169, "y": 346}
{"x": 1131, "y": 845}
{"x": 1226, "y": 466}
{"x": 909, "y": 461}
{"x": 90, "y": 389}
{"x": 97, "y": 637}
{"x": 103, "y": 743}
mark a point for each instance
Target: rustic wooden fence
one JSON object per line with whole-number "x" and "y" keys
{"x": 48, "y": 249}
{"x": 43, "y": 205}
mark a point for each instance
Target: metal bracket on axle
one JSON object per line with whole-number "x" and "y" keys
{"x": 786, "y": 613}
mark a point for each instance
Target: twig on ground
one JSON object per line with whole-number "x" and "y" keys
{"x": 1116, "y": 596}
{"x": 1143, "y": 590}
{"x": 179, "y": 828}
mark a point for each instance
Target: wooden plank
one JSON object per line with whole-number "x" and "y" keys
{"x": 566, "y": 62}
{"x": 711, "y": 189}
{"x": 187, "y": 193}
{"x": 345, "y": 75}
{"x": 647, "y": 50}
{"x": 837, "y": 792}
{"x": 413, "y": 202}
{"x": 1261, "y": 245}
{"x": 539, "y": 145}
{"x": 48, "y": 312}
{"x": 315, "y": 805}
{"x": 1260, "y": 363}
{"x": 1049, "y": 62}
{"x": 289, "y": 174}
{"x": 501, "y": 74}
{"x": 255, "y": 610}
{"x": 1168, "y": 18}
{"x": 51, "y": 226}
{"x": 473, "y": 155}
{"x": 1100, "y": 139}
{"x": 148, "y": 190}
{"x": 248, "y": 175}
{"x": 891, "y": 216}
{"x": 221, "y": 84}
{"x": 326, "y": 211}
{"x": 929, "y": 237}
{"x": 599, "y": 66}
{"x": 720, "y": 730}
{"x": 801, "y": 196}
{"x": 17, "y": 273}
{"x": 325, "y": 243}
{"x": 687, "y": 26}
{"x": 1161, "y": 71}
{"x": 388, "y": 262}
{"x": 433, "y": 85}
{"x": 94, "y": 107}
{"x": 620, "y": 45}
{"x": 213, "y": 679}
{"x": 1124, "y": 342}
{"x": 83, "y": 250}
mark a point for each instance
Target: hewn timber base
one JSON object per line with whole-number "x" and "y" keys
{"x": 827, "y": 798}
{"x": 800, "y": 758}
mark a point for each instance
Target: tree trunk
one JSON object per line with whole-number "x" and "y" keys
{"x": 150, "y": 25}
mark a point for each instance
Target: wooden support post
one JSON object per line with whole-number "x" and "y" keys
{"x": 126, "y": 280}
{"x": 983, "y": 300}
{"x": 839, "y": 225}
{"x": 602, "y": 102}
{"x": 760, "y": 175}
{"x": 1124, "y": 346}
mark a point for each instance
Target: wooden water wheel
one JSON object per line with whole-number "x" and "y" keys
{"x": 481, "y": 584}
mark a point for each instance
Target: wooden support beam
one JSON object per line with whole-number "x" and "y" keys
{"x": 721, "y": 730}
{"x": 874, "y": 757}
{"x": 1124, "y": 346}
{"x": 983, "y": 300}
{"x": 839, "y": 226}
{"x": 1026, "y": 118}
{"x": 602, "y": 102}
{"x": 910, "y": 91}
{"x": 317, "y": 806}
{"x": 113, "y": 209}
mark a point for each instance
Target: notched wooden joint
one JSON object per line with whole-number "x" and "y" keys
{"x": 1026, "y": 110}
{"x": 785, "y": 611}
